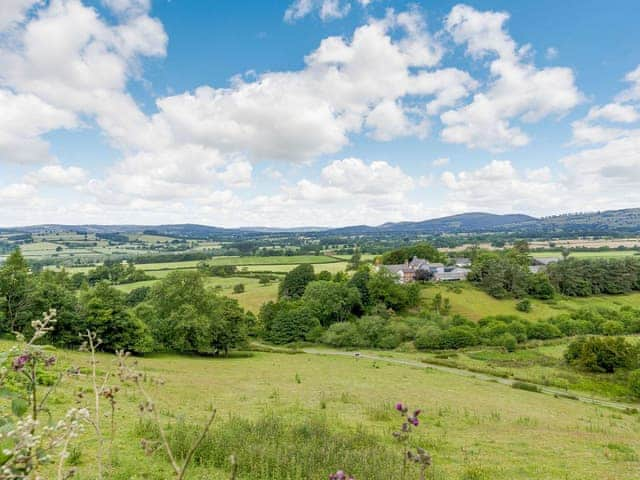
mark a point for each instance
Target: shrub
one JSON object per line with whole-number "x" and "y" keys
{"x": 612, "y": 327}
{"x": 524, "y": 305}
{"x": 344, "y": 334}
{"x": 458, "y": 337}
{"x": 529, "y": 387}
{"x": 428, "y": 338}
{"x": 634, "y": 383}
{"x": 543, "y": 331}
{"x": 239, "y": 288}
{"x": 601, "y": 354}
{"x": 509, "y": 342}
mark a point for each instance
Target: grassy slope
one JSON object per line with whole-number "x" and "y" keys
{"x": 603, "y": 254}
{"x": 473, "y": 429}
{"x": 475, "y": 304}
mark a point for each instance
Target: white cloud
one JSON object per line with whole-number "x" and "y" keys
{"x": 614, "y": 112}
{"x": 606, "y": 172}
{"x": 129, "y": 7}
{"x": 14, "y": 11}
{"x": 71, "y": 59}
{"x": 518, "y": 91}
{"x": 377, "y": 80}
{"x": 24, "y": 118}
{"x": 327, "y": 9}
{"x": 551, "y": 53}
{"x": 440, "y": 162}
{"x": 633, "y": 92}
{"x": 57, "y": 176}
{"x": 499, "y": 187}
{"x": 17, "y": 193}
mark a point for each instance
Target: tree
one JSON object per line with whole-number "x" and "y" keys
{"x": 104, "y": 312}
{"x": 190, "y": 318}
{"x": 239, "y": 288}
{"x": 602, "y": 354}
{"x": 332, "y": 302}
{"x": 295, "y": 282}
{"x": 425, "y": 251}
{"x": 354, "y": 261}
{"x": 16, "y": 286}
{"x": 287, "y": 321}
{"x": 360, "y": 280}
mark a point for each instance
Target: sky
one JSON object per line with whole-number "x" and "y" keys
{"x": 315, "y": 112}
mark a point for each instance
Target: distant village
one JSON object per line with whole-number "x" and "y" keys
{"x": 419, "y": 269}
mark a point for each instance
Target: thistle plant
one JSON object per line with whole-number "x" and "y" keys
{"x": 129, "y": 374}
{"x": 27, "y": 443}
{"x": 419, "y": 456}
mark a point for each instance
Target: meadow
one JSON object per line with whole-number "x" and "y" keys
{"x": 473, "y": 303}
{"x": 304, "y": 416}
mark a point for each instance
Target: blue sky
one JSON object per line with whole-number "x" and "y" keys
{"x": 315, "y": 112}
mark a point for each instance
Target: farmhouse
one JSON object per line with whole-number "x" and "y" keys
{"x": 420, "y": 269}
{"x": 539, "y": 264}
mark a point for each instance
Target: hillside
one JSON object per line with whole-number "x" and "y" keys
{"x": 625, "y": 221}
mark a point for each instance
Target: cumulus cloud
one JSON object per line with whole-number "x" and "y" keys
{"x": 57, "y": 176}
{"x": 24, "y": 118}
{"x": 14, "y": 11}
{"x": 327, "y": 9}
{"x": 440, "y": 162}
{"x": 519, "y": 91}
{"x": 499, "y": 187}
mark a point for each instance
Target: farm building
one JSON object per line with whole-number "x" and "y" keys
{"x": 420, "y": 269}
{"x": 539, "y": 264}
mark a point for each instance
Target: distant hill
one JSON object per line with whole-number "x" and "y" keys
{"x": 595, "y": 223}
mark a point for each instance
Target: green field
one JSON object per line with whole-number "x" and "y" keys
{"x": 475, "y": 304}
{"x": 284, "y": 414}
{"x": 594, "y": 254}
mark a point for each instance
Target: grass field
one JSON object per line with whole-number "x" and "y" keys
{"x": 304, "y": 416}
{"x": 475, "y": 304}
{"x": 595, "y": 254}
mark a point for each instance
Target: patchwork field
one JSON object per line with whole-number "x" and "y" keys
{"x": 304, "y": 416}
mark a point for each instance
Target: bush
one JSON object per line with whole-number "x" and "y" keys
{"x": 509, "y": 342}
{"x": 524, "y": 305}
{"x": 634, "y": 383}
{"x": 344, "y": 334}
{"x": 529, "y": 387}
{"x": 543, "y": 331}
{"x": 458, "y": 337}
{"x": 602, "y": 354}
{"x": 239, "y": 288}
{"x": 612, "y": 327}
{"x": 428, "y": 338}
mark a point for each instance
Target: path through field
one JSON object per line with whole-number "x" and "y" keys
{"x": 480, "y": 376}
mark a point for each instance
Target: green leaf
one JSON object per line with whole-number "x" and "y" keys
{"x": 19, "y": 407}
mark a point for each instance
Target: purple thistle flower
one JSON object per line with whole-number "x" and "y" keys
{"x": 20, "y": 361}
{"x": 399, "y": 406}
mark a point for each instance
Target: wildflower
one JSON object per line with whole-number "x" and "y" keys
{"x": 340, "y": 475}
{"x": 20, "y": 361}
{"x": 399, "y": 406}
{"x": 51, "y": 361}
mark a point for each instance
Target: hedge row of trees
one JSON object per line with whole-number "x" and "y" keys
{"x": 586, "y": 277}
{"x": 178, "y": 313}
{"x": 507, "y": 274}
{"x": 433, "y": 331}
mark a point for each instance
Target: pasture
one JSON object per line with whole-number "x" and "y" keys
{"x": 304, "y": 416}
{"x": 473, "y": 303}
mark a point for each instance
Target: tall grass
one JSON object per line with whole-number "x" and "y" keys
{"x": 274, "y": 447}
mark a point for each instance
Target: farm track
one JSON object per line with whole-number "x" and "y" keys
{"x": 557, "y": 392}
